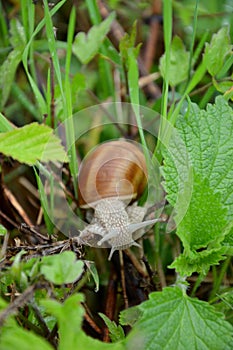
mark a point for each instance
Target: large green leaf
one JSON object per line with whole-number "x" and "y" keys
{"x": 31, "y": 143}
{"x": 204, "y": 203}
{"x": 173, "y": 321}
{"x": 208, "y": 139}
{"x": 203, "y": 225}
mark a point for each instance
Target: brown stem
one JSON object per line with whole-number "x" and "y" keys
{"x": 110, "y": 302}
{"x": 152, "y": 41}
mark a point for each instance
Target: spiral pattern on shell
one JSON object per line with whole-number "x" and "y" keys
{"x": 115, "y": 169}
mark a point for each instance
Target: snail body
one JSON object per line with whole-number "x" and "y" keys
{"x": 110, "y": 178}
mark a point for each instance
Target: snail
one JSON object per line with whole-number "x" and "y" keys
{"x": 110, "y": 178}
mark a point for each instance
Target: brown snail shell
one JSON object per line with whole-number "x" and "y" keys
{"x": 115, "y": 169}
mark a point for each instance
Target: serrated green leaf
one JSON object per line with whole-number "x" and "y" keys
{"x": 204, "y": 205}
{"x": 62, "y": 268}
{"x": 199, "y": 262}
{"x": 216, "y": 51}
{"x": 207, "y": 135}
{"x": 116, "y": 332}
{"x": 173, "y": 321}
{"x": 31, "y": 143}
{"x": 69, "y": 316}
{"x": 86, "y": 46}
{"x": 178, "y": 65}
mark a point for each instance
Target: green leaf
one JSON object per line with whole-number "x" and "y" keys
{"x": 7, "y": 74}
{"x": 47, "y": 205}
{"x": 10, "y": 65}
{"x": 62, "y": 268}
{"x": 199, "y": 262}
{"x": 205, "y": 219}
{"x": 116, "y": 332}
{"x": 86, "y": 46}
{"x": 31, "y": 143}
{"x": 173, "y": 321}
{"x": 207, "y": 136}
{"x": 14, "y": 337}
{"x": 216, "y": 51}
{"x": 18, "y": 38}
{"x": 178, "y": 65}
{"x": 223, "y": 86}
{"x": 5, "y": 125}
{"x": 94, "y": 273}
{"x": 126, "y": 45}
{"x": 3, "y": 230}
{"x": 204, "y": 203}
{"x": 130, "y": 316}
{"x": 69, "y": 316}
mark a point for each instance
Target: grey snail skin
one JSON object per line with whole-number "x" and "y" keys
{"x": 111, "y": 177}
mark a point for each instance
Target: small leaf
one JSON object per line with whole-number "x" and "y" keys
{"x": 31, "y": 143}
{"x": 199, "y": 262}
{"x": 62, "y": 268}
{"x": 127, "y": 44}
{"x": 3, "y": 230}
{"x": 93, "y": 271}
{"x": 130, "y": 316}
{"x": 173, "y": 321}
{"x": 225, "y": 87}
{"x": 179, "y": 63}
{"x": 116, "y": 332}
{"x": 86, "y": 46}
{"x": 216, "y": 51}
